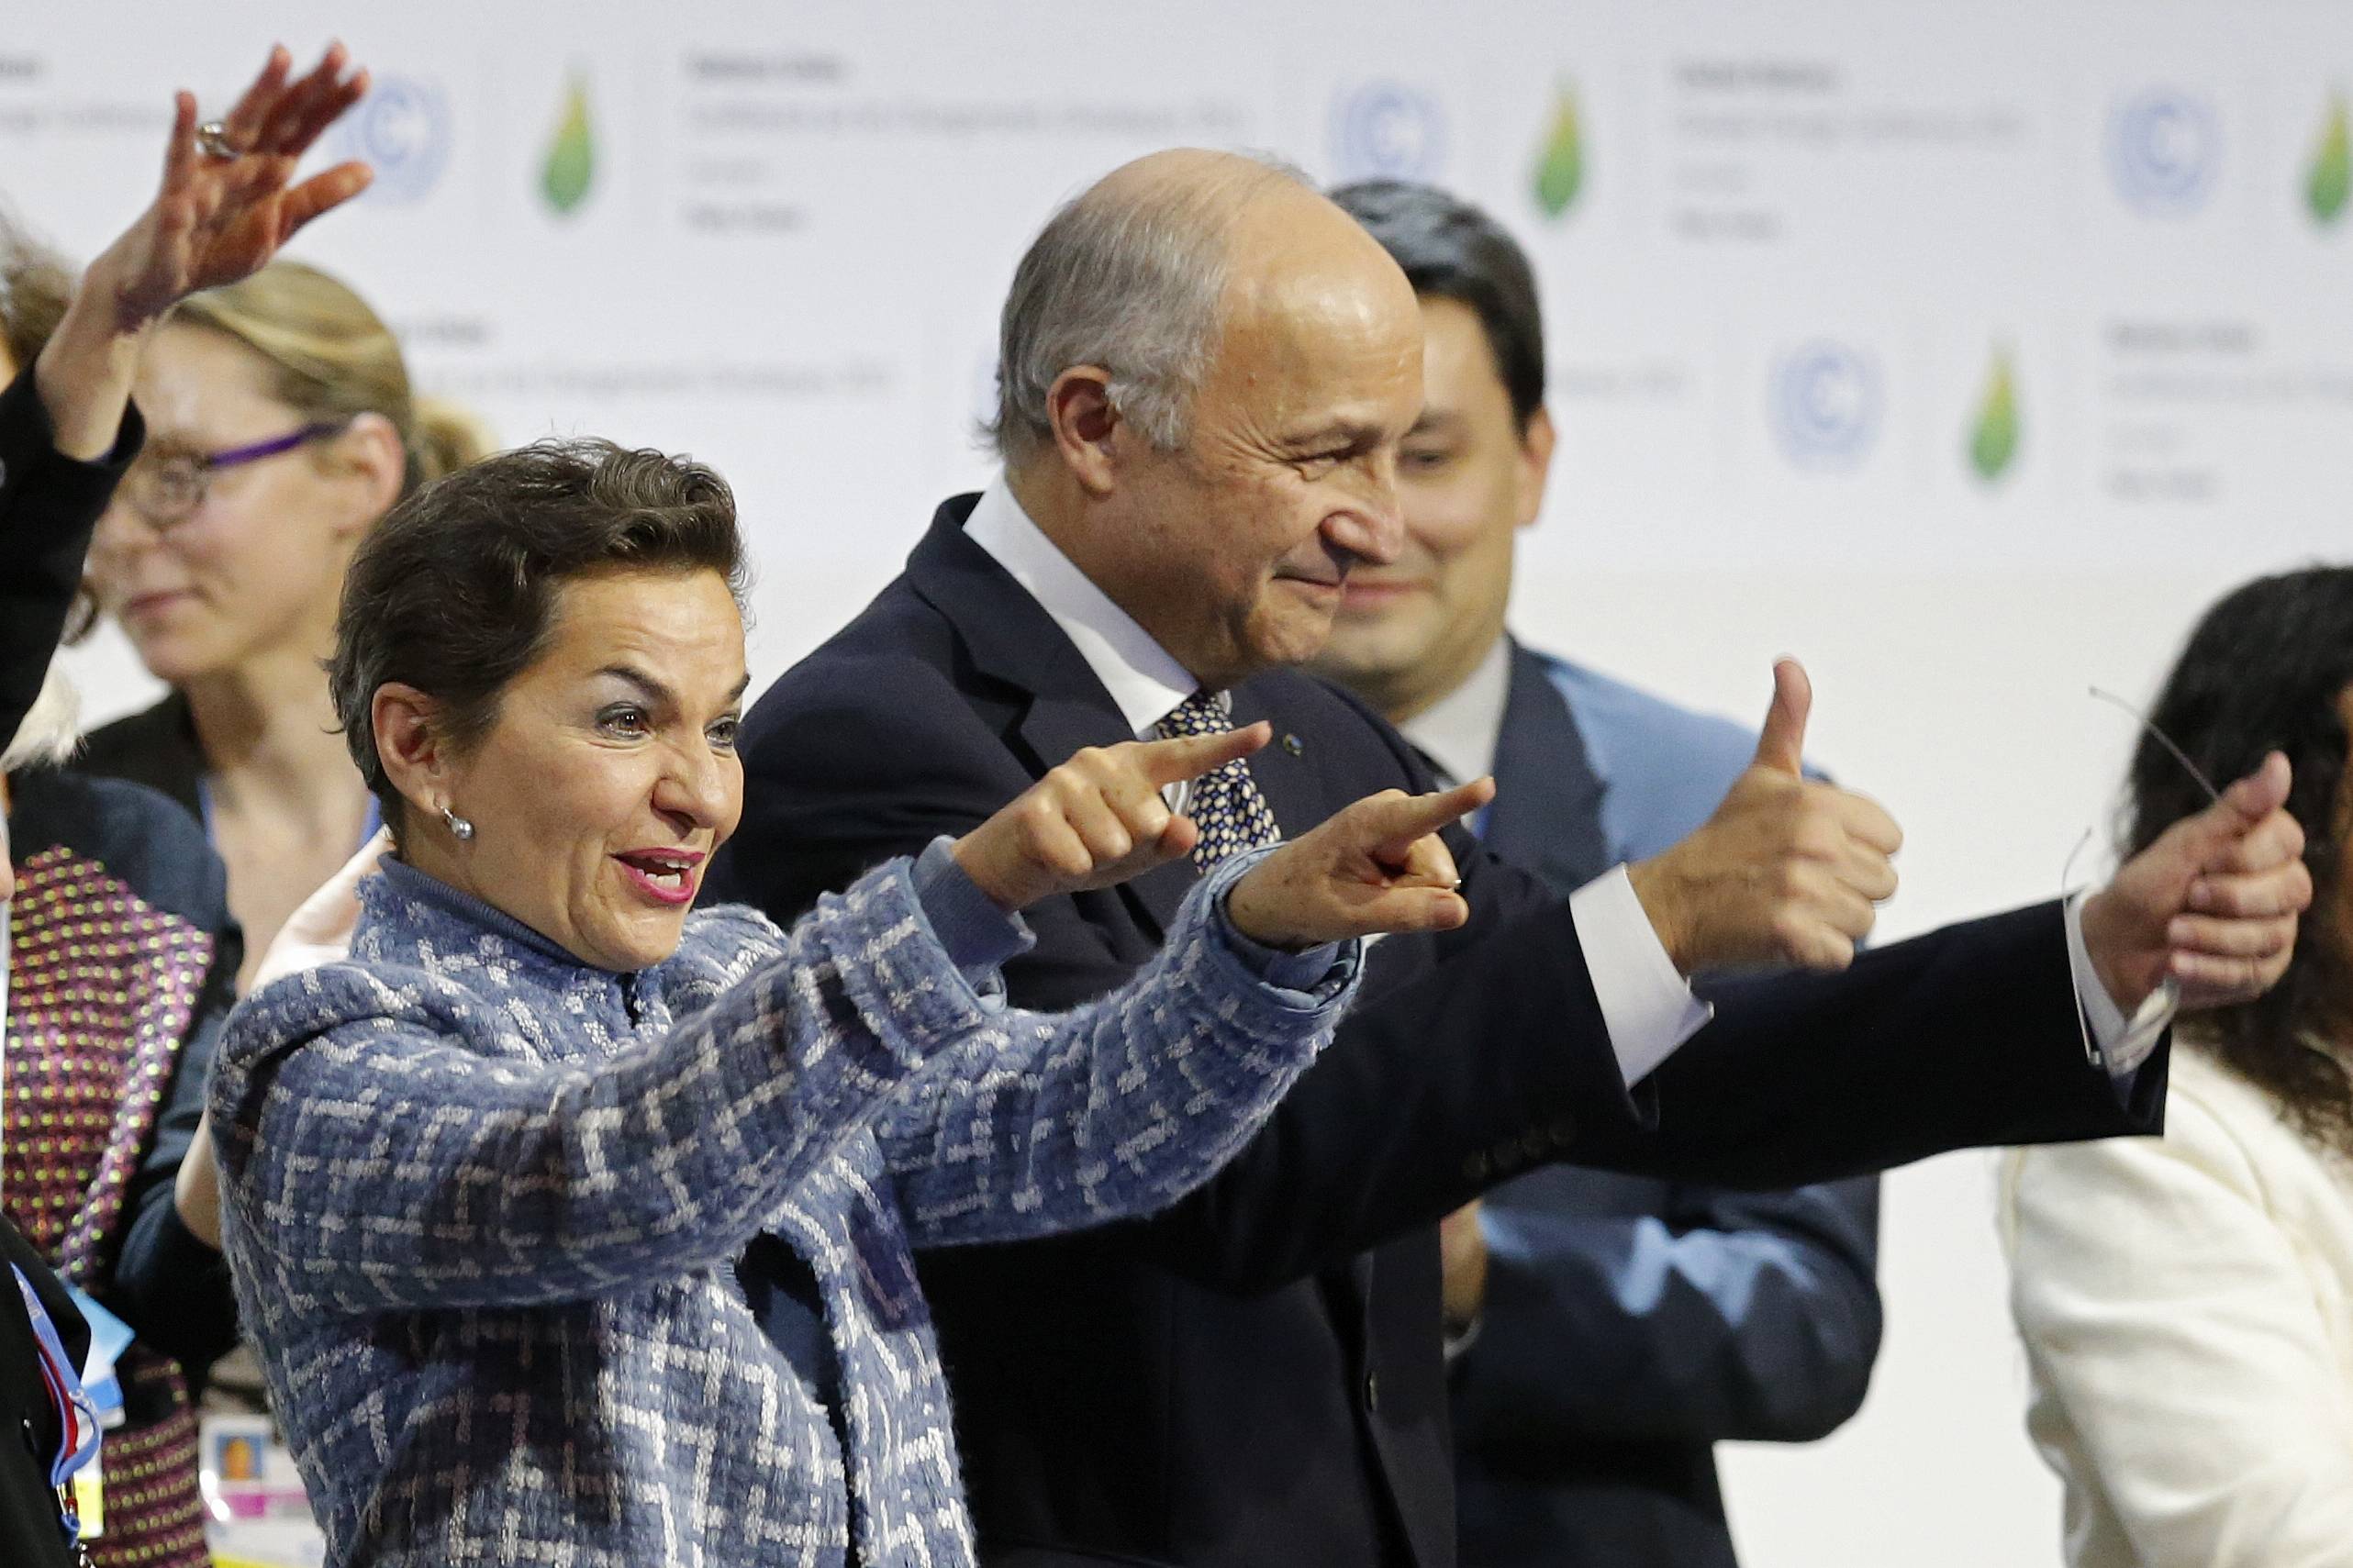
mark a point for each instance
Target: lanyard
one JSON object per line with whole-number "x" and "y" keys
{"x": 76, "y": 1420}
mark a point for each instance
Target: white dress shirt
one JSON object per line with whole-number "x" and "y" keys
{"x": 1647, "y": 1007}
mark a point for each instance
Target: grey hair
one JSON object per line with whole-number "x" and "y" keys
{"x": 1128, "y": 275}
{"x": 50, "y": 728}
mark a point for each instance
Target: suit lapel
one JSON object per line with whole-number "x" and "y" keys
{"x": 1012, "y": 640}
{"x": 1296, "y": 793}
{"x": 1291, "y": 788}
{"x": 1547, "y": 812}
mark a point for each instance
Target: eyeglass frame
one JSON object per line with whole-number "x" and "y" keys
{"x": 207, "y": 465}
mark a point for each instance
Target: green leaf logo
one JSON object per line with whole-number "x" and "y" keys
{"x": 571, "y": 166}
{"x": 1560, "y": 166}
{"x": 1993, "y": 441}
{"x": 2332, "y": 166}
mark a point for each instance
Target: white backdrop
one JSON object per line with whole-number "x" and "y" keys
{"x": 1966, "y": 348}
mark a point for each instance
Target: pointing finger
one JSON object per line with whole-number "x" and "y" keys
{"x": 1395, "y": 820}
{"x": 1188, "y": 757}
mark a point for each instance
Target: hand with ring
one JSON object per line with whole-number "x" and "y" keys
{"x": 212, "y": 140}
{"x": 228, "y": 203}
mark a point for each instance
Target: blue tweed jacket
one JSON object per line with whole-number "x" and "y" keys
{"x": 482, "y": 1204}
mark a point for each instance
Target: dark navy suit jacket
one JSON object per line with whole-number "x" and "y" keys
{"x": 1254, "y": 1377}
{"x": 1632, "y": 1322}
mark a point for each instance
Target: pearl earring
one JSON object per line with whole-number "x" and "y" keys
{"x": 460, "y": 829}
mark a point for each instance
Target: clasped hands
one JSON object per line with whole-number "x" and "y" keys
{"x": 1374, "y": 867}
{"x": 1791, "y": 871}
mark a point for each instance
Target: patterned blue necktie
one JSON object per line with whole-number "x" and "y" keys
{"x": 1225, "y": 805}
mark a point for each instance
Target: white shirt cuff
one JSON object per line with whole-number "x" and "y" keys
{"x": 1647, "y": 1007}
{"x": 2118, "y": 1043}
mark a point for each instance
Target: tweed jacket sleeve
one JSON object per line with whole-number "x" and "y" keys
{"x": 378, "y": 1157}
{"x": 1051, "y": 1122}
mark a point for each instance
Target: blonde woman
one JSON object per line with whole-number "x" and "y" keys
{"x": 281, "y": 426}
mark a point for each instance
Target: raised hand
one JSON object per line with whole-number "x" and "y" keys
{"x": 219, "y": 218}
{"x": 2212, "y": 905}
{"x": 1374, "y": 867}
{"x": 1098, "y": 820}
{"x": 1786, "y": 871}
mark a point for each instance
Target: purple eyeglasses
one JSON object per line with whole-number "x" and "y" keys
{"x": 168, "y": 488}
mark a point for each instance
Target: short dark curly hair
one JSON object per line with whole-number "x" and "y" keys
{"x": 453, "y": 591}
{"x": 2267, "y": 670}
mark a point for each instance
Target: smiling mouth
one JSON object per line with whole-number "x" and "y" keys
{"x": 667, "y": 876}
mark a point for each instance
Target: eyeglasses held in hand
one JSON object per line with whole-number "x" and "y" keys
{"x": 2170, "y": 987}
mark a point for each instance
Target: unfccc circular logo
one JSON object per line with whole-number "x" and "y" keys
{"x": 1825, "y": 406}
{"x": 402, "y": 129}
{"x": 1388, "y": 130}
{"x": 2164, "y": 150}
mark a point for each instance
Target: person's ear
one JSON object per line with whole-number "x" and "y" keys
{"x": 1535, "y": 464}
{"x": 417, "y": 757}
{"x": 369, "y": 457}
{"x": 1086, "y": 427}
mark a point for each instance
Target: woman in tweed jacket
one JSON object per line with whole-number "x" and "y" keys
{"x": 492, "y": 1185}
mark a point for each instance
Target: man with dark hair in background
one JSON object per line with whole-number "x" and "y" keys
{"x": 1691, "y": 1314}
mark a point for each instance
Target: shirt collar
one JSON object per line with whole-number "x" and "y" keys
{"x": 1460, "y": 731}
{"x": 1144, "y": 680}
{"x": 404, "y": 882}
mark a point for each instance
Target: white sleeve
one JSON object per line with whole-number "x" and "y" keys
{"x": 2168, "y": 1319}
{"x": 2121, "y": 1043}
{"x": 1647, "y": 1007}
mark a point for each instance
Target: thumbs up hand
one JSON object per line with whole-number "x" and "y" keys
{"x": 2212, "y": 905}
{"x": 1786, "y": 871}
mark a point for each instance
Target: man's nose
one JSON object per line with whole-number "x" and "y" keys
{"x": 1373, "y": 530}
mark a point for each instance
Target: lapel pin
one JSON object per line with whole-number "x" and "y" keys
{"x": 1292, "y": 744}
